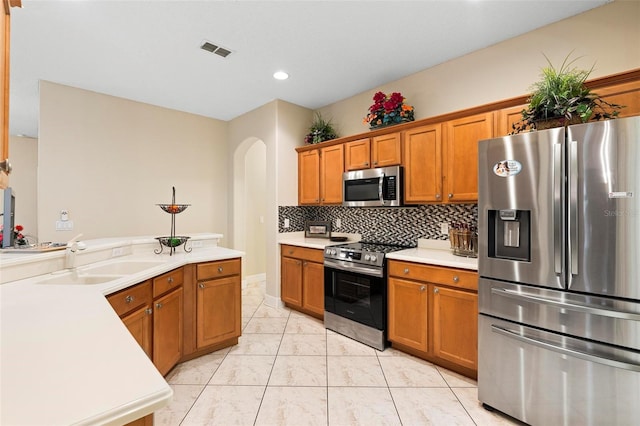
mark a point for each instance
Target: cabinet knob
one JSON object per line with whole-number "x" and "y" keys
{"x": 290, "y": 251}
{"x": 323, "y": 200}
{"x": 438, "y": 196}
{"x": 455, "y": 279}
{"x": 436, "y": 290}
{"x": 375, "y": 163}
{"x": 158, "y": 305}
{"x": 406, "y": 270}
{"x": 129, "y": 299}
{"x": 450, "y": 195}
{"x": 366, "y": 164}
{"x": 220, "y": 268}
{"x": 170, "y": 280}
{"x": 298, "y": 263}
{"x": 422, "y": 288}
{"x": 317, "y": 200}
{"x": 201, "y": 285}
{"x": 148, "y": 311}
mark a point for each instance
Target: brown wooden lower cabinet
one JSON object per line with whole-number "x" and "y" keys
{"x": 433, "y": 314}
{"x": 167, "y": 331}
{"x": 142, "y": 421}
{"x": 184, "y": 313}
{"x": 302, "y": 279}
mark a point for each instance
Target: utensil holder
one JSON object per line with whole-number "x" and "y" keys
{"x": 463, "y": 242}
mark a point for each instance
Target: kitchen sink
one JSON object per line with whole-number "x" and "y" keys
{"x": 124, "y": 267}
{"x": 74, "y": 278}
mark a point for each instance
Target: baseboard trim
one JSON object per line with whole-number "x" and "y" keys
{"x": 273, "y": 301}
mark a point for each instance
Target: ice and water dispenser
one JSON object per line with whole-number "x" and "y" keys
{"x": 509, "y": 234}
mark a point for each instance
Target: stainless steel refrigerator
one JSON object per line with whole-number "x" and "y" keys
{"x": 559, "y": 266}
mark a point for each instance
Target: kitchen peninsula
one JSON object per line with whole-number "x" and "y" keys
{"x": 75, "y": 362}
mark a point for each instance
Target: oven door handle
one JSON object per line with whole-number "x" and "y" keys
{"x": 380, "y": 188}
{"x": 351, "y": 267}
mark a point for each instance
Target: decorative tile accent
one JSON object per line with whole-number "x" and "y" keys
{"x": 391, "y": 225}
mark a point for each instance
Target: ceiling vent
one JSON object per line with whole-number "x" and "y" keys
{"x": 220, "y": 51}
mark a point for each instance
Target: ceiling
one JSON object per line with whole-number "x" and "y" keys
{"x": 149, "y": 51}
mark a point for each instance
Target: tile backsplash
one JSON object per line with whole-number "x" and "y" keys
{"x": 391, "y": 225}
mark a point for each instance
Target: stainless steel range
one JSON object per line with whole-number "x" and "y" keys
{"x": 355, "y": 290}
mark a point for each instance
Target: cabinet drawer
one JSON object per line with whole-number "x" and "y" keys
{"x": 314, "y": 255}
{"x": 223, "y": 268}
{"x": 130, "y": 298}
{"x": 434, "y": 274}
{"x": 168, "y": 281}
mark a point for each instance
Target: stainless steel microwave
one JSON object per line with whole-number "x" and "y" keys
{"x": 380, "y": 187}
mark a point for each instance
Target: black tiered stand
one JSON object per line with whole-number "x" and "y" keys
{"x": 173, "y": 241}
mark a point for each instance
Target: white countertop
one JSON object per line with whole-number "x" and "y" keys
{"x": 432, "y": 252}
{"x": 298, "y": 239}
{"x": 66, "y": 357}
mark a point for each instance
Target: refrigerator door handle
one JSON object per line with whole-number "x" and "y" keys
{"x": 557, "y": 207}
{"x": 565, "y": 351}
{"x": 594, "y": 310}
{"x": 573, "y": 208}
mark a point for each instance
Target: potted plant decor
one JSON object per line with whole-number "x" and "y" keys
{"x": 561, "y": 98}
{"x": 321, "y": 130}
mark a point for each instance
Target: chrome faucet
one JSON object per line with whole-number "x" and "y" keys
{"x": 70, "y": 252}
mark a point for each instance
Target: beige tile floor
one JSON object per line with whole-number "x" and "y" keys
{"x": 288, "y": 370}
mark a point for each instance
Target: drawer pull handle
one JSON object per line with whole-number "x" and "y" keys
{"x": 406, "y": 270}
{"x": 170, "y": 280}
{"x": 201, "y": 285}
{"x": 455, "y": 279}
{"x": 158, "y": 305}
{"x": 220, "y": 269}
{"x": 129, "y": 299}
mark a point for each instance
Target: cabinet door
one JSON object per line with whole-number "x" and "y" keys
{"x": 386, "y": 150}
{"x": 357, "y": 155}
{"x": 408, "y": 313}
{"x": 455, "y": 326}
{"x": 139, "y": 324}
{"x": 218, "y": 309}
{"x": 167, "y": 331}
{"x": 423, "y": 164}
{"x": 627, "y": 94}
{"x": 291, "y": 281}
{"x": 505, "y": 118}
{"x": 461, "y": 157}
{"x": 309, "y": 177}
{"x": 331, "y": 169}
{"x": 313, "y": 287}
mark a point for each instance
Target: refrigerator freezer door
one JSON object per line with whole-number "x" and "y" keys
{"x": 604, "y": 207}
{"x": 545, "y": 378}
{"x": 520, "y": 213}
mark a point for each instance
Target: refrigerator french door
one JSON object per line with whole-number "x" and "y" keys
{"x": 559, "y": 288}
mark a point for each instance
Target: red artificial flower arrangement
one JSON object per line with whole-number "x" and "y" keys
{"x": 387, "y": 110}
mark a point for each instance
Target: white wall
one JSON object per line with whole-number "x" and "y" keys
{"x": 281, "y": 126}
{"x": 608, "y": 36}
{"x": 24, "y": 160}
{"x": 109, "y": 161}
{"x": 255, "y": 196}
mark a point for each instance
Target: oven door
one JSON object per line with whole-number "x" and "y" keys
{"x": 355, "y": 293}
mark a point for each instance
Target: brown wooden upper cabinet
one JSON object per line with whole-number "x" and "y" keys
{"x": 320, "y": 175}
{"x": 423, "y": 164}
{"x": 461, "y": 156}
{"x": 505, "y": 118}
{"x": 379, "y": 151}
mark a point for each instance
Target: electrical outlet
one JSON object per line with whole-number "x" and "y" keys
{"x": 64, "y": 225}
{"x": 286, "y": 223}
{"x": 444, "y": 228}
{"x": 196, "y": 243}
{"x": 118, "y": 251}
{"x": 338, "y": 223}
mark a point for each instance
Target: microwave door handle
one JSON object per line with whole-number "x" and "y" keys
{"x": 380, "y": 185}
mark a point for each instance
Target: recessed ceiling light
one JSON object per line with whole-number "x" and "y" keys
{"x": 280, "y": 75}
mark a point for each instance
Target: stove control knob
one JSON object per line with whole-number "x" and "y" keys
{"x": 374, "y": 258}
{"x": 366, "y": 257}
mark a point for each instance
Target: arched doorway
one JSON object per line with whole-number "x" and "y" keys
{"x": 249, "y": 210}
